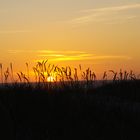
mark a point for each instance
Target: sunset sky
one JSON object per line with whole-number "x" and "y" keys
{"x": 102, "y": 34}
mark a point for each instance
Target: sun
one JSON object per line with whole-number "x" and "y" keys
{"x": 50, "y": 79}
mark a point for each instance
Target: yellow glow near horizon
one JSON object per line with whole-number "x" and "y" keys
{"x": 50, "y": 79}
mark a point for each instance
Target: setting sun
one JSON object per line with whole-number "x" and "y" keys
{"x": 50, "y": 79}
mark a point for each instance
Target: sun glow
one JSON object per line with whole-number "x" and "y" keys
{"x": 50, "y": 79}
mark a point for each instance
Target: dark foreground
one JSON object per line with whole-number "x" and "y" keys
{"x": 111, "y": 111}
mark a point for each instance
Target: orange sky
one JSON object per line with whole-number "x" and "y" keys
{"x": 102, "y": 35}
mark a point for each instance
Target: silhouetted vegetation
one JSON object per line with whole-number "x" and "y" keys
{"x": 70, "y": 107}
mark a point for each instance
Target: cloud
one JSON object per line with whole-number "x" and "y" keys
{"x": 90, "y": 57}
{"x": 123, "y": 57}
{"x": 46, "y": 52}
{"x": 114, "y": 8}
{"x": 76, "y": 56}
{"x": 63, "y": 55}
{"x": 62, "y": 52}
{"x": 56, "y": 56}
{"x": 51, "y": 55}
{"x": 120, "y": 20}
{"x": 106, "y": 13}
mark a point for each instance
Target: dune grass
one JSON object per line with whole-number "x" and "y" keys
{"x": 73, "y": 106}
{"x": 61, "y": 77}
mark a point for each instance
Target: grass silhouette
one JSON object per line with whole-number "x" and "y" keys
{"x": 71, "y": 107}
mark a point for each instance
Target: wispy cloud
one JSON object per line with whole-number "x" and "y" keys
{"x": 76, "y": 56}
{"x": 48, "y": 53}
{"x": 114, "y": 8}
{"x": 56, "y": 56}
{"x": 62, "y": 52}
{"x": 51, "y": 55}
{"x": 63, "y": 55}
{"x": 121, "y": 19}
{"x": 90, "y": 57}
{"x": 105, "y": 13}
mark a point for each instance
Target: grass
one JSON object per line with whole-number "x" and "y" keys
{"x": 42, "y": 70}
{"x": 71, "y": 107}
